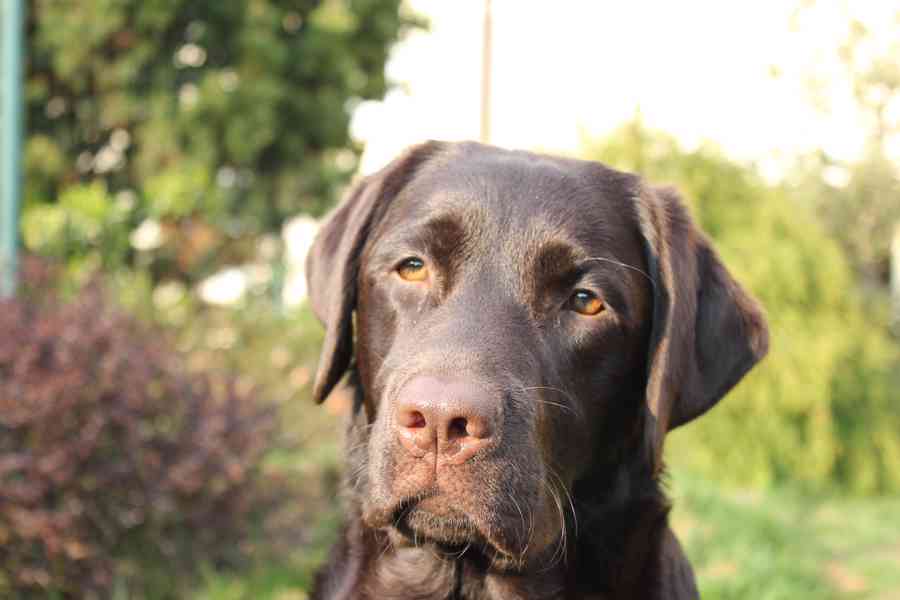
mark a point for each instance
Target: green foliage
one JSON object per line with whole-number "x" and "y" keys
{"x": 861, "y": 212}
{"x": 822, "y": 408}
{"x": 85, "y": 225}
{"x": 235, "y": 114}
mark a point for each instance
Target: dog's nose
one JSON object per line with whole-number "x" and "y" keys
{"x": 454, "y": 418}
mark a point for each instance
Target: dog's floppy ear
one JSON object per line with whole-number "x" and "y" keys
{"x": 332, "y": 264}
{"x": 707, "y": 331}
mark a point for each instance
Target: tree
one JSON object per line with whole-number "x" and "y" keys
{"x": 214, "y": 119}
{"x": 859, "y": 201}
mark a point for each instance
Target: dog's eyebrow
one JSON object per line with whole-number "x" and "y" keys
{"x": 442, "y": 234}
{"x": 557, "y": 257}
{"x": 445, "y": 231}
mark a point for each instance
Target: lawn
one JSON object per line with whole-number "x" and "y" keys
{"x": 744, "y": 545}
{"x": 785, "y": 545}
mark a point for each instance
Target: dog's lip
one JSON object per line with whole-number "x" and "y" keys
{"x": 479, "y": 537}
{"x": 397, "y": 516}
{"x": 454, "y": 531}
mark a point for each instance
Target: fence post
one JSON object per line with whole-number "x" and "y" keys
{"x": 12, "y": 20}
{"x": 486, "y": 73}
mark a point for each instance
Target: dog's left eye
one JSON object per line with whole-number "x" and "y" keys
{"x": 586, "y": 303}
{"x": 412, "y": 269}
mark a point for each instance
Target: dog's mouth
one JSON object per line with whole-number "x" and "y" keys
{"x": 431, "y": 520}
{"x": 449, "y": 528}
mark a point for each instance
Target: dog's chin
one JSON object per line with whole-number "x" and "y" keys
{"x": 449, "y": 529}
{"x": 431, "y": 521}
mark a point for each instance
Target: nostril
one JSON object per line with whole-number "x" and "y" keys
{"x": 457, "y": 428}
{"x": 413, "y": 420}
{"x": 478, "y": 429}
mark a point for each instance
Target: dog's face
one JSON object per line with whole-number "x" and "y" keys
{"x": 515, "y": 298}
{"x": 514, "y": 318}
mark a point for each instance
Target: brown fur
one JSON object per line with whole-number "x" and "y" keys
{"x": 564, "y": 500}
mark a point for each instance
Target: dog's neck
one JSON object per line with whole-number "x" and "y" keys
{"x": 421, "y": 572}
{"x": 622, "y": 527}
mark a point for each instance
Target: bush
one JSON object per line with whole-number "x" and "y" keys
{"x": 118, "y": 469}
{"x": 822, "y": 408}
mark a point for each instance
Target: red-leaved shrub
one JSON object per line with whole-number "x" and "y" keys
{"x": 117, "y": 467}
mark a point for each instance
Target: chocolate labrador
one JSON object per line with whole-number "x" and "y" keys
{"x": 527, "y": 329}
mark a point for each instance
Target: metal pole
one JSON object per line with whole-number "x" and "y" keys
{"x": 12, "y": 20}
{"x": 486, "y": 75}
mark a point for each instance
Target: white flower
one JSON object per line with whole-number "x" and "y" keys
{"x": 298, "y": 234}
{"x": 190, "y": 55}
{"x": 225, "y": 287}
{"x": 148, "y": 236}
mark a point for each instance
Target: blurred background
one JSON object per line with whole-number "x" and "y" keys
{"x": 157, "y": 439}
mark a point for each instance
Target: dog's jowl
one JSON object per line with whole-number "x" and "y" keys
{"x": 519, "y": 332}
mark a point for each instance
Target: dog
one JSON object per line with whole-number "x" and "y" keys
{"x": 520, "y": 332}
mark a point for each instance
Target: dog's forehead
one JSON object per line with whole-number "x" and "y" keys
{"x": 497, "y": 192}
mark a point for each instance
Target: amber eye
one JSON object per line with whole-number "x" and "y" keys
{"x": 412, "y": 269}
{"x": 586, "y": 303}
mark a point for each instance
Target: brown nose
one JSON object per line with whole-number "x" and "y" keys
{"x": 454, "y": 418}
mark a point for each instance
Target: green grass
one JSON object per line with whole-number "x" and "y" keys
{"x": 770, "y": 545}
{"x": 786, "y": 545}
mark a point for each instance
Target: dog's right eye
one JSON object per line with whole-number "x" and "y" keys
{"x": 412, "y": 269}
{"x": 586, "y": 303}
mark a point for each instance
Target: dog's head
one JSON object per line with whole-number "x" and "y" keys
{"x": 521, "y": 322}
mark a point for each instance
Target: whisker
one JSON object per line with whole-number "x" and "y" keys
{"x": 356, "y": 447}
{"x": 521, "y": 519}
{"x": 561, "y": 545}
{"x": 565, "y": 490}
{"x": 464, "y": 550}
{"x": 574, "y": 409}
{"x": 621, "y": 264}
{"x": 388, "y": 546}
{"x": 530, "y": 534}
{"x": 560, "y": 406}
{"x": 357, "y": 472}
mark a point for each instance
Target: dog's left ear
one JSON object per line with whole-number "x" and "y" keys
{"x": 707, "y": 331}
{"x": 332, "y": 265}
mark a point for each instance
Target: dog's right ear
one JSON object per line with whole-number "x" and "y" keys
{"x": 708, "y": 332}
{"x": 332, "y": 265}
